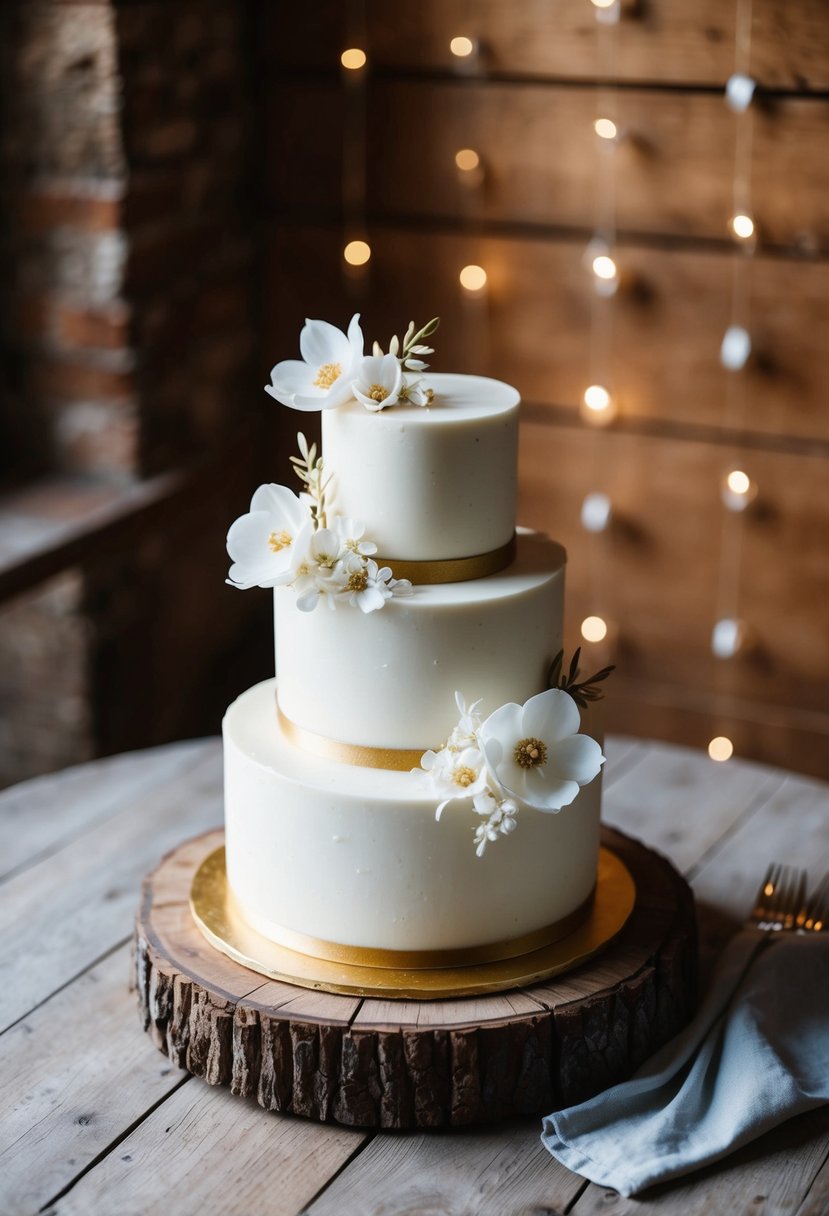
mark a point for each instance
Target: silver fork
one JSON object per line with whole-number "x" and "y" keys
{"x": 780, "y": 902}
{"x": 814, "y": 918}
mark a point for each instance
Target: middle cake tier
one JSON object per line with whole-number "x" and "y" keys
{"x": 387, "y": 679}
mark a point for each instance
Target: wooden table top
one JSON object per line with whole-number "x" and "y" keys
{"x": 95, "y": 1120}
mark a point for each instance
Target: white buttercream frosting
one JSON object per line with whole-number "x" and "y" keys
{"x": 355, "y": 855}
{"x": 430, "y": 482}
{"x": 388, "y": 679}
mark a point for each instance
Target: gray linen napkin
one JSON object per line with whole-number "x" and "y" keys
{"x": 756, "y": 1053}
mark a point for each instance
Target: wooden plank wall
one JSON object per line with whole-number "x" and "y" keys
{"x": 527, "y": 105}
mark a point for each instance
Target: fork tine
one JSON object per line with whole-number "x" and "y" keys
{"x": 816, "y": 913}
{"x": 781, "y": 898}
{"x": 764, "y": 891}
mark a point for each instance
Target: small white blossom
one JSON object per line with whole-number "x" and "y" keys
{"x": 316, "y": 571}
{"x": 415, "y": 391}
{"x": 485, "y": 834}
{"x": 500, "y": 819}
{"x": 378, "y": 382}
{"x": 465, "y": 734}
{"x": 454, "y": 774}
{"x": 351, "y": 533}
{"x": 360, "y": 582}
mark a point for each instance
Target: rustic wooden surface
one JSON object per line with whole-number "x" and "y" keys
{"x": 405, "y": 1064}
{"x": 96, "y": 1121}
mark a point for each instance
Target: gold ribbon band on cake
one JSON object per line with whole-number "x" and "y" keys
{"x": 452, "y": 569}
{"x": 400, "y": 759}
{"x": 414, "y": 960}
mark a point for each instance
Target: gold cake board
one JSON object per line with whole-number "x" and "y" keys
{"x": 217, "y": 917}
{"x": 390, "y": 1061}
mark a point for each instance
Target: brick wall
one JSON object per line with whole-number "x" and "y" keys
{"x": 127, "y": 316}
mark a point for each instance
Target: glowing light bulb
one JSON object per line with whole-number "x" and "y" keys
{"x": 467, "y": 159}
{"x": 603, "y": 3}
{"x": 353, "y": 59}
{"x": 604, "y": 267}
{"x": 721, "y": 748}
{"x": 593, "y": 629}
{"x": 742, "y": 226}
{"x": 738, "y": 490}
{"x": 739, "y": 91}
{"x": 462, "y": 47}
{"x": 597, "y": 405}
{"x": 357, "y": 253}
{"x": 473, "y": 278}
{"x": 595, "y": 512}
{"x": 735, "y": 348}
{"x": 605, "y": 128}
{"x": 727, "y": 637}
{"x": 738, "y": 482}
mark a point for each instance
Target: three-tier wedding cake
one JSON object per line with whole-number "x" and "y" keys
{"x": 410, "y": 790}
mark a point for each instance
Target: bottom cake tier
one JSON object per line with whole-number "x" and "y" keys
{"x": 324, "y": 857}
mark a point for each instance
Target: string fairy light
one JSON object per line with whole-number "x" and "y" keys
{"x": 353, "y": 59}
{"x": 357, "y": 253}
{"x": 737, "y": 488}
{"x": 356, "y": 250}
{"x": 462, "y": 47}
{"x": 472, "y": 278}
{"x": 721, "y": 748}
{"x": 598, "y": 406}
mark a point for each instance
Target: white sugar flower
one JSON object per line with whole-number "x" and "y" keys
{"x": 322, "y": 380}
{"x": 378, "y": 382}
{"x": 501, "y": 812}
{"x": 500, "y": 819}
{"x": 535, "y": 753}
{"x": 351, "y": 532}
{"x": 415, "y": 392}
{"x": 485, "y": 834}
{"x": 267, "y": 544}
{"x": 315, "y": 574}
{"x": 455, "y": 774}
{"x": 465, "y": 734}
{"x": 360, "y": 582}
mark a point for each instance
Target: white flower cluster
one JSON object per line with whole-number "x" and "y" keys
{"x": 520, "y": 755}
{"x": 334, "y": 370}
{"x": 275, "y": 545}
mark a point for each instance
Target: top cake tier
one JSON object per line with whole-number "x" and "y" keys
{"x": 431, "y": 483}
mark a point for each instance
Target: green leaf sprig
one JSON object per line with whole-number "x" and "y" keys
{"x": 582, "y": 691}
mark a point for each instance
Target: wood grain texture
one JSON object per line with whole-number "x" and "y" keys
{"x": 669, "y": 41}
{"x": 205, "y": 1151}
{"x": 430, "y": 1064}
{"x": 75, "y": 905}
{"x": 543, "y": 164}
{"x": 33, "y": 822}
{"x": 69, "y": 1094}
{"x": 480, "y": 1172}
{"x": 533, "y": 327}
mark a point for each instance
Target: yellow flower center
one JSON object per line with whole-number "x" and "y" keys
{"x": 377, "y": 392}
{"x": 464, "y": 776}
{"x": 279, "y": 540}
{"x": 530, "y": 753}
{"x": 358, "y": 581}
{"x": 327, "y": 374}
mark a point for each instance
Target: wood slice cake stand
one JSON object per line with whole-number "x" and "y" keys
{"x": 369, "y": 1062}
